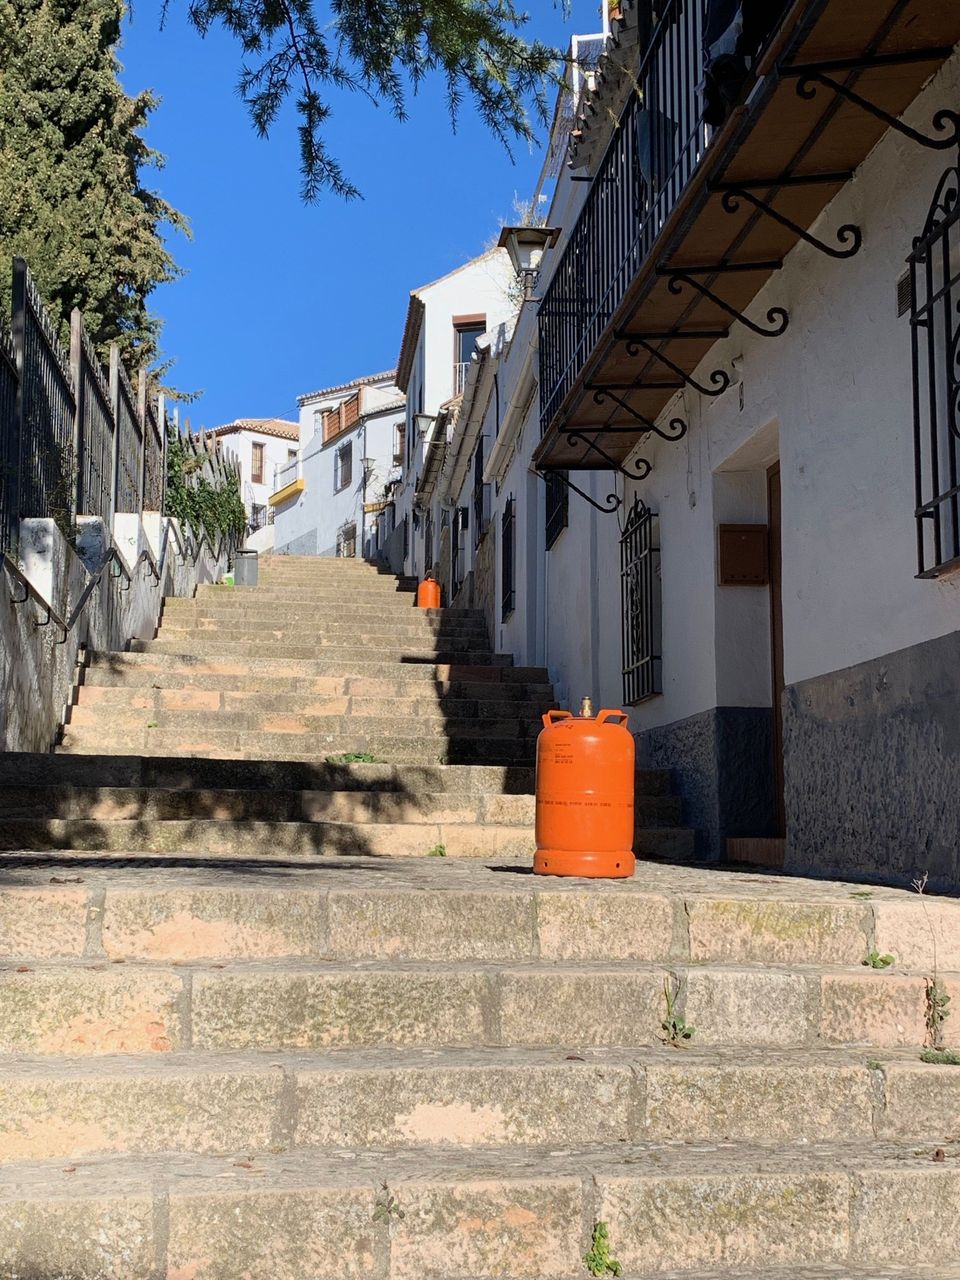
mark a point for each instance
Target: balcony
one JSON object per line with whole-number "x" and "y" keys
{"x": 684, "y": 223}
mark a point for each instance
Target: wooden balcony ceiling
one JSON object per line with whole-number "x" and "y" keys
{"x": 779, "y": 135}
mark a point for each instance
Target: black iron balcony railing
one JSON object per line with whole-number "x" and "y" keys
{"x": 657, "y": 146}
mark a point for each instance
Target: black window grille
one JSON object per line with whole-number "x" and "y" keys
{"x": 347, "y": 541}
{"x": 406, "y": 539}
{"x": 343, "y": 467}
{"x": 640, "y": 604}
{"x": 935, "y": 339}
{"x": 460, "y": 525}
{"x": 428, "y": 542}
{"x": 557, "y": 506}
{"x": 508, "y": 524}
{"x": 479, "y": 494}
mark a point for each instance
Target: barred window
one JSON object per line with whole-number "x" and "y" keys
{"x": 557, "y": 505}
{"x": 640, "y": 604}
{"x": 508, "y": 522}
{"x": 343, "y": 466}
{"x": 935, "y": 342}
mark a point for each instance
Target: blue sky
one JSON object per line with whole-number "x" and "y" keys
{"x": 281, "y": 298}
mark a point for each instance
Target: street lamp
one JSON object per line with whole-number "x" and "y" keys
{"x": 423, "y": 422}
{"x": 526, "y": 246}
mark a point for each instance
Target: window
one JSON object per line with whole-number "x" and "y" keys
{"x": 317, "y": 421}
{"x": 508, "y": 522}
{"x": 460, "y": 522}
{"x": 935, "y": 342}
{"x": 343, "y": 466}
{"x": 428, "y": 543}
{"x": 398, "y": 442}
{"x": 291, "y": 455}
{"x": 347, "y": 541}
{"x": 640, "y": 604}
{"x": 557, "y": 505}
{"x": 256, "y": 465}
{"x": 479, "y": 495}
{"x": 466, "y": 331}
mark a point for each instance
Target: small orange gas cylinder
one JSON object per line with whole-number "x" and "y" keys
{"x": 585, "y": 775}
{"x": 428, "y": 594}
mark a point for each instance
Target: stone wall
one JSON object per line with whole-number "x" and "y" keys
{"x": 38, "y": 666}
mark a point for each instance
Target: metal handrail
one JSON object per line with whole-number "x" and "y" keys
{"x": 112, "y": 556}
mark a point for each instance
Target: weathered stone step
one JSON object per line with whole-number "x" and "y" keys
{"x": 198, "y": 639}
{"x": 243, "y": 718}
{"x": 185, "y": 610}
{"x": 374, "y": 630}
{"x": 493, "y": 1099}
{"x": 434, "y": 709}
{"x": 264, "y": 839}
{"x": 523, "y": 1214}
{"x": 283, "y": 665}
{"x": 347, "y": 656}
{"x": 208, "y": 740}
{"x": 119, "y": 685}
{"x": 86, "y": 1008}
{"x": 42, "y": 769}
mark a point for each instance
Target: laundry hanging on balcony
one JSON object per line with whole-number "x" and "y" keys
{"x": 733, "y": 33}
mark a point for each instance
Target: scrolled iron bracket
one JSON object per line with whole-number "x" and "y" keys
{"x": 809, "y": 79}
{"x": 642, "y": 467}
{"x": 777, "y": 317}
{"x": 604, "y": 508}
{"x": 849, "y": 234}
{"x": 675, "y": 430}
{"x": 719, "y": 377}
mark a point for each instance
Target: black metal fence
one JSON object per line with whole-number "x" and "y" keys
{"x": 508, "y": 556}
{"x": 935, "y": 334}
{"x": 640, "y": 604}
{"x": 72, "y": 441}
{"x": 658, "y": 144}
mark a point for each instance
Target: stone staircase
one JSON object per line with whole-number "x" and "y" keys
{"x": 230, "y": 1057}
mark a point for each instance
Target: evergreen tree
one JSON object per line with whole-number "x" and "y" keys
{"x": 71, "y": 153}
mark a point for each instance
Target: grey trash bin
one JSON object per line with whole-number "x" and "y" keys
{"x": 245, "y": 569}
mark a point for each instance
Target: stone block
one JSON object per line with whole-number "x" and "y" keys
{"x": 582, "y": 925}
{"x": 213, "y": 924}
{"x": 880, "y": 1009}
{"x": 913, "y": 931}
{"x": 922, "y": 1101}
{"x": 42, "y": 923}
{"x": 906, "y": 1216}
{"x": 748, "y": 1007}
{"x": 571, "y": 1008}
{"x": 46, "y": 1237}
{"x": 89, "y": 1011}
{"x": 502, "y": 1229}
{"x": 448, "y": 925}
{"x": 276, "y": 1010}
{"x": 763, "y": 930}
{"x": 692, "y": 1223}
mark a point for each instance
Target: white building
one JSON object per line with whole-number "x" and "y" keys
{"x": 444, "y": 320}
{"x": 743, "y": 352}
{"x": 327, "y": 498}
{"x": 261, "y": 445}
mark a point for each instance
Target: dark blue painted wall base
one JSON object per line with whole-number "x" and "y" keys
{"x": 872, "y": 762}
{"x": 723, "y": 760}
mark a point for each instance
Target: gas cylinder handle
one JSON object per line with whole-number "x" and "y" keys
{"x": 552, "y": 716}
{"x": 604, "y": 716}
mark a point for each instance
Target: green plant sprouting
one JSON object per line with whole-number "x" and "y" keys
{"x": 874, "y": 960}
{"x": 677, "y": 1032}
{"x": 598, "y": 1260}
{"x": 937, "y": 998}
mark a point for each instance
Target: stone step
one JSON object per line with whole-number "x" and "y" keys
{"x": 95, "y": 769}
{"x": 443, "y": 1215}
{"x": 389, "y": 641}
{"x": 283, "y": 665}
{"x": 189, "y": 610}
{"x": 433, "y": 708}
{"x": 209, "y": 740}
{"x": 254, "y": 718}
{"x": 162, "y": 805}
{"x": 495, "y": 1100}
{"x": 348, "y": 657}
{"x": 117, "y": 683}
{"x": 441, "y": 910}
{"x": 263, "y": 839}
{"x": 92, "y": 1008}
{"x": 375, "y": 630}
{"x": 333, "y": 594}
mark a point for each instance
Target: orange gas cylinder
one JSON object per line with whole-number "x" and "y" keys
{"x": 585, "y": 774}
{"x": 428, "y": 594}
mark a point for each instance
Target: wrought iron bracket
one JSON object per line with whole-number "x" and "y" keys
{"x": 676, "y": 429}
{"x": 810, "y": 78}
{"x": 642, "y": 467}
{"x": 719, "y": 377}
{"x": 849, "y": 234}
{"x": 603, "y": 507}
{"x": 777, "y": 317}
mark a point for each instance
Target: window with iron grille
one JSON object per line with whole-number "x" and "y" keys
{"x": 343, "y": 466}
{"x": 935, "y": 340}
{"x": 508, "y": 523}
{"x": 479, "y": 494}
{"x": 640, "y": 604}
{"x": 406, "y": 538}
{"x": 257, "y": 463}
{"x": 460, "y": 524}
{"x": 557, "y": 505}
{"x": 428, "y": 542}
{"x": 347, "y": 541}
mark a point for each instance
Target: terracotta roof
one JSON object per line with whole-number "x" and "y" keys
{"x": 261, "y": 426}
{"x": 386, "y": 375}
{"x": 415, "y": 310}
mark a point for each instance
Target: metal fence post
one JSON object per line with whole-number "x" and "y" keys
{"x": 18, "y": 323}
{"x": 115, "y": 410}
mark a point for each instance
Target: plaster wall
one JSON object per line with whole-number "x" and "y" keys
{"x": 275, "y": 455}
